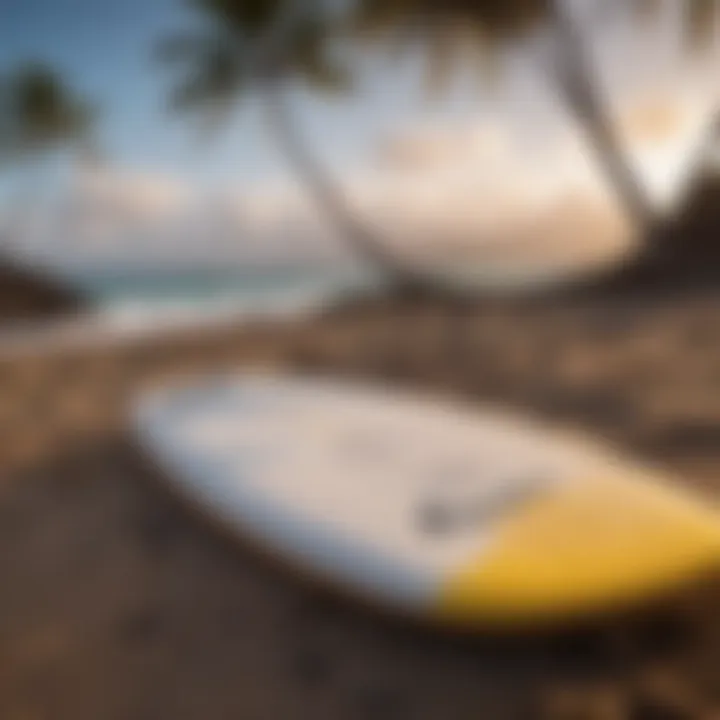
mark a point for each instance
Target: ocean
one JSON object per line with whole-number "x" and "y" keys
{"x": 134, "y": 304}
{"x": 131, "y": 305}
{"x": 191, "y": 295}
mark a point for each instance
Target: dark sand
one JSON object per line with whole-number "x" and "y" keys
{"x": 118, "y": 604}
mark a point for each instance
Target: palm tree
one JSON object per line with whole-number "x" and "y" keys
{"x": 263, "y": 46}
{"x": 228, "y": 58}
{"x": 39, "y": 114}
{"x": 447, "y": 29}
{"x": 451, "y": 27}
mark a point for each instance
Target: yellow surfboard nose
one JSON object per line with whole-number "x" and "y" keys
{"x": 590, "y": 547}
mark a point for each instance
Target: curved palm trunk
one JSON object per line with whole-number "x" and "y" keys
{"x": 580, "y": 90}
{"x": 329, "y": 197}
{"x": 706, "y": 147}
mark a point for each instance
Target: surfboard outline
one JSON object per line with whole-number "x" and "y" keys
{"x": 461, "y": 600}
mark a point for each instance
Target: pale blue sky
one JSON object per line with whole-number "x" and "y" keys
{"x": 105, "y": 49}
{"x": 511, "y": 151}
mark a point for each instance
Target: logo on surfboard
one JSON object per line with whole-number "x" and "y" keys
{"x": 453, "y": 509}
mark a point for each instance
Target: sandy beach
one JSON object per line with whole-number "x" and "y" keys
{"x": 501, "y": 203}
{"x": 118, "y": 603}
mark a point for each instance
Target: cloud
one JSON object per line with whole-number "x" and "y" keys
{"x": 488, "y": 211}
{"x": 514, "y": 189}
{"x": 497, "y": 230}
{"x": 113, "y": 207}
{"x": 418, "y": 149}
{"x": 118, "y": 217}
{"x": 480, "y": 194}
{"x": 145, "y": 195}
{"x": 655, "y": 120}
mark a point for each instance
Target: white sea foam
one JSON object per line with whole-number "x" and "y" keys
{"x": 137, "y": 320}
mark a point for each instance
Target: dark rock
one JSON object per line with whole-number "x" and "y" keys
{"x": 27, "y": 295}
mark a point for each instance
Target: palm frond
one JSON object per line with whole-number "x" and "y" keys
{"x": 38, "y": 112}
{"x": 449, "y": 30}
{"x": 252, "y": 18}
{"x": 646, "y": 10}
{"x": 441, "y": 61}
{"x": 701, "y": 23}
{"x": 310, "y": 58}
{"x": 226, "y": 56}
{"x": 212, "y": 83}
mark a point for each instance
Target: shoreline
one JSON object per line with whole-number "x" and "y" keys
{"x": 114, "y": 598}
{"x": 99, "y": 329}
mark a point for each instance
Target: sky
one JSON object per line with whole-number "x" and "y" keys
{"x": 107, "y": 50}
{"x": 498, "y": 172}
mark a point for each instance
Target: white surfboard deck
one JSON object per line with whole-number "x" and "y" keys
{"x": 425, "y": 506}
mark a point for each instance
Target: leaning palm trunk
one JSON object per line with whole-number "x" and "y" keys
{"x": 667, "y": 245}
{"x": 327, "y": 194}
{"x": 365, "y": 242}
{"x": 580, "y": 90}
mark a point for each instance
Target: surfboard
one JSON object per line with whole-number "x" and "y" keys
{"x": 463, "y": 515}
